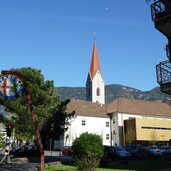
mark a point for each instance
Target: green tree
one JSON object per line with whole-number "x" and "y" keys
{"x": 2, "y": 141}
{"x": 4, "y": 119}
{"x": 57, "y": 123}
{"x": 87, "y": 151}
{"x": 44, "y": 99}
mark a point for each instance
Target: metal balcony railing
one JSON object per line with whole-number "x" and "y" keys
{"x": 163, "y": 70}
{"x": 158, "y": 10}
{"x": 168, "y": 51}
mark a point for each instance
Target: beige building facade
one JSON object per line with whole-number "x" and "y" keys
{"x": 149, "y": 130}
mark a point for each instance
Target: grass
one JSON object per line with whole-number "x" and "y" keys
{"x": 60, "y": 168}
{"x": 72, "y": 168}
{"x": 149, "y": 164}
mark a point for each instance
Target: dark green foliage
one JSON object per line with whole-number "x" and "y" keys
{"x": 55, "y": 125}
{"x": 2, "y": 141}
{"x": 87, "y": 151}
{"x": 3, "y": 119}
{"x": 113, "y": 92}
{"x": 44, "y": 99}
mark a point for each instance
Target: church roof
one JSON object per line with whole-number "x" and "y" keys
{"x": 95, "y": 65}
{"x": 120, "y": 105}
{"x": 86, "y": 108}
{"x": 139, "y": 107}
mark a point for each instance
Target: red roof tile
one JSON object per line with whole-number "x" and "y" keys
{"x": 95, "y": 65}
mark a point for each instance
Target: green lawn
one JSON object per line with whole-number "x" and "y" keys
{"x": 72, "y": 168}
{"x": 117, "y": 165}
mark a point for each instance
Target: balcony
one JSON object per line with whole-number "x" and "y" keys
{"x": 161, "y": 15}
{"x": 163, "y": 70}
{"x": 168, "y": 50}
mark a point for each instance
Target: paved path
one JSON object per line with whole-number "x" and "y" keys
{"x": 31, "y": 163}
{"x": 20, "y": 164}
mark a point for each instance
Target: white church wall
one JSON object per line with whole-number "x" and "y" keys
{"x": 98, "y": 82}
{"x": 81, "y": 124}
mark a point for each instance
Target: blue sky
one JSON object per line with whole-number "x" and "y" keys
{"x": 56, "y": 36}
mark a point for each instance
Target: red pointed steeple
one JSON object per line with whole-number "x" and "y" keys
{"x": 95, "y": 65}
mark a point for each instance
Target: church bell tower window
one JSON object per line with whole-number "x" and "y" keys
{"x": 98, "y": 91}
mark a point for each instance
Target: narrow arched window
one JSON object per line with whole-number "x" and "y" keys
{"x": 98, "y": 91}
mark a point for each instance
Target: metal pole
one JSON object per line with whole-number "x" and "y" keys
{"x": 51, "y": 140}
{"x": 29, "y": 98}
{"x": 51, "y": 147}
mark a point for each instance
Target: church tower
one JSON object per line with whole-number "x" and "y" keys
{"x": 95, "y": 89}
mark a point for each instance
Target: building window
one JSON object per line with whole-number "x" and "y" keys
{"x": 107, "y": 124}
{"x": 83, "y": 122}
{"x": 107, "y": 136}
{"x": 98, "y": 91}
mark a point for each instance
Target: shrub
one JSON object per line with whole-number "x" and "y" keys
{"x": 2, "y": 142}
{"x": 87, "y": 151}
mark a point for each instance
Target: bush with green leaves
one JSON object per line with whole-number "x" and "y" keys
{"x": 2, "y": 142}
{"x": 87, "y": 151}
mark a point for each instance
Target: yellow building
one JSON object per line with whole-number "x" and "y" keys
{"x": 147, "y": 130}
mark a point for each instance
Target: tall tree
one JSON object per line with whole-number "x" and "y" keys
{"x": 57, "y": 123}
{"x": 44, "y": 99}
